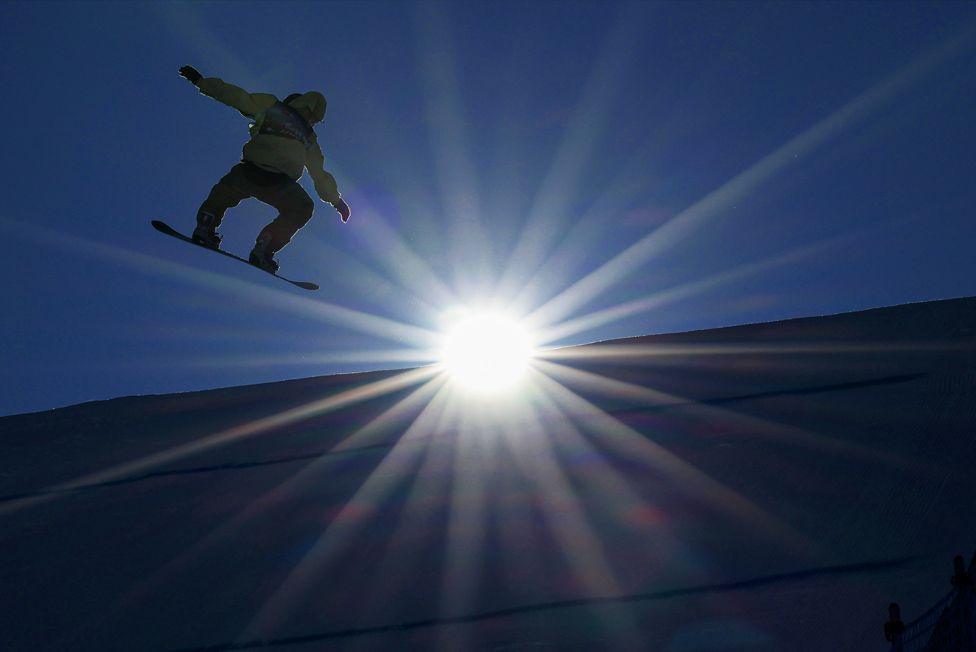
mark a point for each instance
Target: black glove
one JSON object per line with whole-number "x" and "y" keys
{"x": 343, "y": 208}
{"x": 191, "y": 74}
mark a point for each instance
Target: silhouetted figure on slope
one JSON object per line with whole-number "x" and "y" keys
{"x": 282, "y": 145}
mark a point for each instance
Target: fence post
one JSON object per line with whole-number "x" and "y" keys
{"x": 894, "y": 628}
{"x": 960, "y": 577}
{"x": 963, "y": 581}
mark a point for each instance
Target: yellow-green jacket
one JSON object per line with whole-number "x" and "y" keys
{"x": 279, "y": 142}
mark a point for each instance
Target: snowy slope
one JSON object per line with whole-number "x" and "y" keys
{"x": 763, "y": 487}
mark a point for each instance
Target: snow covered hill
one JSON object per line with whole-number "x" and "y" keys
{"x": 762, "y": 487}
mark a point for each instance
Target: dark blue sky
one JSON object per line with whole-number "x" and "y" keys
{"x": 768, "y": 160}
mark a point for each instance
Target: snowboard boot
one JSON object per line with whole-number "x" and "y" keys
{"x": 205, "y": 234}
{"x": 263, "y": 255}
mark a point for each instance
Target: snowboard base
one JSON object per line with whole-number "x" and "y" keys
{"x": 163, "y": 227}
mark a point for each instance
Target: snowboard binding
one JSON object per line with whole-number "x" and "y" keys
{"x": 205, "y": 234}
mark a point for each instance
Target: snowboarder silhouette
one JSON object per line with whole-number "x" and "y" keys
{"x": 282, "y": 144}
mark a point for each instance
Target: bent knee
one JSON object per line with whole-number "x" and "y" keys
{"x": 301, "y": 211}
{"x": 307, "y": 207}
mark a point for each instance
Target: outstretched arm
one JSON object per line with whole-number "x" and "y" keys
{"x": 249, "y": 104}
{"x": 325, "y": 183}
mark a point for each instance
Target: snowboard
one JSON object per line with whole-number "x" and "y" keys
{"x": 163, "y": 227}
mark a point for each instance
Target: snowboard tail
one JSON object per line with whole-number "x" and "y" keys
{"x": 163, "y": 227}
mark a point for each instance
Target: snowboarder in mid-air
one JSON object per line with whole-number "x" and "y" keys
{"x": 282, "y": 144}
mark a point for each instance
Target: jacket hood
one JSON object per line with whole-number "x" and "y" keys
{"x": 311, "y": 105}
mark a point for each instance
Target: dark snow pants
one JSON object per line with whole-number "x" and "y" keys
{"x": 245, "y": 181}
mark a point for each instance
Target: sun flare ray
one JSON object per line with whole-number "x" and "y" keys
{"x": 546, "y": 218}
{"x": 680, "y": 226}
{"x": 705, "y": 413}
{"x": 393, "y": 470}
{"x": 383, "y": 327}
{"x": 456, "y": 171}
{"x": 563, "y": 511}
{"x": 680, "y": 292}
{"x": 404, "y": 266}
{"x": 614, "y": 435}
{"x": 240, "y": 432}
{"x": 315, "y": 358}
{"x": 288, "y": 489}
{"x": 474, "y": 466}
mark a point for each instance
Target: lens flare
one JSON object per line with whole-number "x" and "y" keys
{"x": 487, "y": 352}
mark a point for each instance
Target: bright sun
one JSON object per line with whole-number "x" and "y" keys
{"x": 487, "y": 352}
